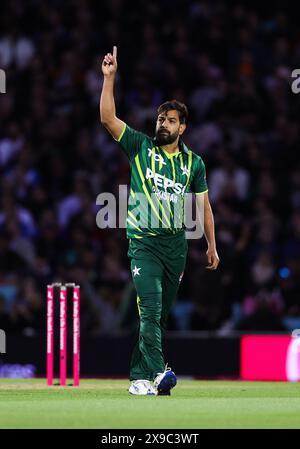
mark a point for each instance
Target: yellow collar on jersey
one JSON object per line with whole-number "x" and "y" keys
{"x": 170, "y": 155}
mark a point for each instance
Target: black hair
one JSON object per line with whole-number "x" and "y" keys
{"x": 177, "y": 106}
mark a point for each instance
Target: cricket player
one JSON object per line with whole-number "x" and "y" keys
{"x": 163, "y": 170}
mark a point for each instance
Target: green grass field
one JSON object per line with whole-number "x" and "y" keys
{"x": 107, "y": 404}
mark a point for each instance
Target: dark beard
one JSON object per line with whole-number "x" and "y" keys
{"x": 165, "y": 139}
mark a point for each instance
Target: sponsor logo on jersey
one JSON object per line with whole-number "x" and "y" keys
{"x": 162, "y": 181}
{"x": 163, "y": 195}
{"x": 157, "y": 157}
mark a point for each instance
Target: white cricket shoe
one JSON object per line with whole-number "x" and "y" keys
{"x": 164, "y": 382}
{"x": 142, "y": 387}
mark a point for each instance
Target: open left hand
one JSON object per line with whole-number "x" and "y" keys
{"x": 212, "y": 258}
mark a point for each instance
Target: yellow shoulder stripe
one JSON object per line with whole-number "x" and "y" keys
{"x": 200, "y": 193}
{"x": 122, "y": 133}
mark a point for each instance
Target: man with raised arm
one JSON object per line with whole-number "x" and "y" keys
{"x": 163, "y": 170}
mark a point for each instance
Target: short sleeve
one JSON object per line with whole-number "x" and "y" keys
{"x": 130, "y": 141}
{"x": 199, "y": 184}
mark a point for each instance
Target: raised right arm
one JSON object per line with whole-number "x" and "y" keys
{"x": 107, "y": 106}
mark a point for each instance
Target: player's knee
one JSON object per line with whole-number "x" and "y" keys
{"x": 150, "y": 316}
{"x": 150, "y": 305}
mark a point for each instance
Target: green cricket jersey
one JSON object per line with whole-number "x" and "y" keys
{"x": 159, "y": 182}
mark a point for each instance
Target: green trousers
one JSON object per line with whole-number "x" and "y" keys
{"x": 157, "y": 265}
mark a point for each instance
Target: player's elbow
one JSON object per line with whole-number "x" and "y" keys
{"x": 105, "y": 120}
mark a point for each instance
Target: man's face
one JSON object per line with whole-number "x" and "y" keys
{"x": 168, "y": 127}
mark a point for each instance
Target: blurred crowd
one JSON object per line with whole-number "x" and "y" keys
{"x": 231, "y": 65}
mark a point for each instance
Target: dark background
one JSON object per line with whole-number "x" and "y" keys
{"x": 231, "y": 63}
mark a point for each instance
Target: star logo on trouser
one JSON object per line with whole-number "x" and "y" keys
{"x": 136, "y": 271}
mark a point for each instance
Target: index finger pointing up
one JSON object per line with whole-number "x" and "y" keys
{"x": 115, "y": 51}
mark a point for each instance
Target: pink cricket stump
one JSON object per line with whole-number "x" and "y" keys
{"x": 50, "y": 334}
{"x": 76, "y": 335}
{"x": 63, "y": 336}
